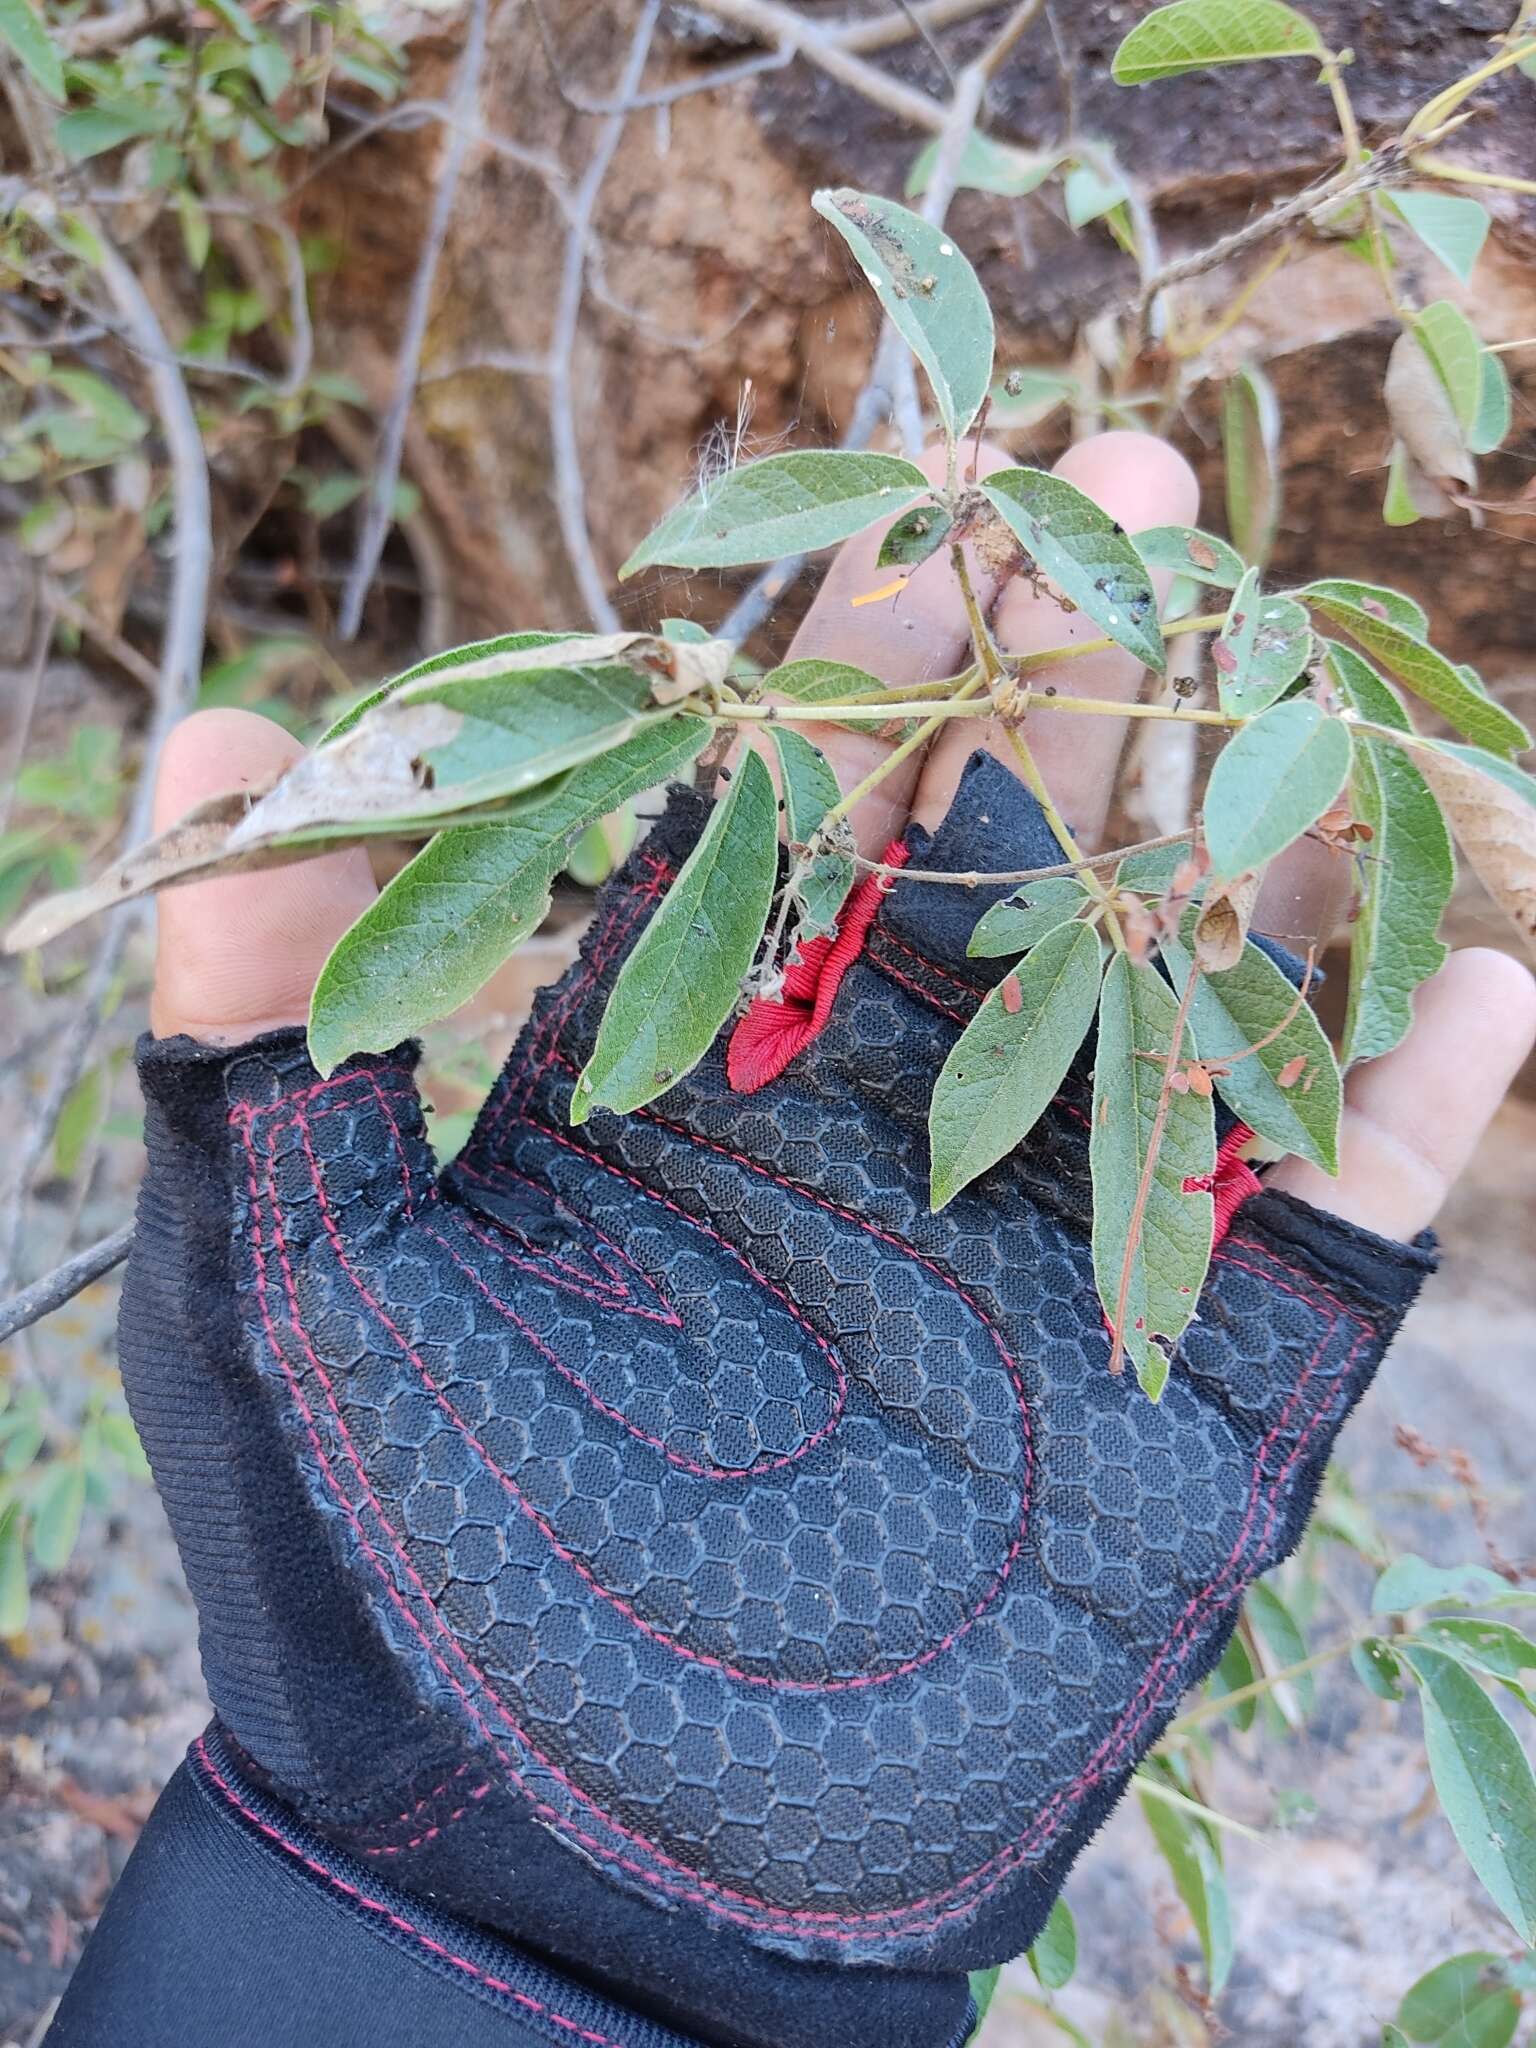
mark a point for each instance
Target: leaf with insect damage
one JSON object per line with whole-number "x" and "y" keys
{"x": 1198, "y": 35}
{"x": 1087, "y": 555}
{"x": 1023, "y": 919}
{"x": 1405, "y": 876}
{"x": 1378, "y": 599}
{"x": 985, "y": 166}
{"x": 439, "y": 930}
{"x": 682, "y": 980}
{"x": 1272, "y": 781}
{"x": 1451, "y": 228}
{"x": 915, "y": 536}
{"x": 1250, "y": 439}
{"x": 782, "y": 505}
{"x": 1261, "y": 650}
{"x": 1283, "y": 1084}
{"x": 1165, "y": 1264}
{"x": 1491, "y": 805}
{"x": 1494, "y": 1648}
{"x": 929, "y": 293}
{"x": 1192, "y": 553}
{"x": 1012, "y": 1057}
{"x": 1458, "y": 694}
{"x": 810, "y": 788}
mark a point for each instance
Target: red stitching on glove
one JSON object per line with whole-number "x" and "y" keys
{"x": 1230, "y": 1183}
{"x": 777, "y": 1028}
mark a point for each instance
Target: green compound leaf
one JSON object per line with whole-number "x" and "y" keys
{"x": 1194, "y": 1862}
{"x": 783, "y": 505}
{"x": 445, "y": 923}
{"x": 1250, "y": 439}
{"x": 1192, "y": 553}
{"x": 1434, "y": 2008}
{"x": 1491, "y": 422}
{"x": 1452, "y": 229}
{"x": 1271, "y": 782}
{"x": 1485, "y": 1783}
{"x": 682, "y": 980}
{"x": 1406, "y": 877}
{"x": 1137, "y": 1014}
{"x": 1197, "y": 35}
{"x": 915, "y": 536}
{"x": 1012, "y": 1057}
{"x": 21, "y": 27}
{"x": 985, "y": 166}
{"x": 928, "y": 291}
{"x": 1023, "y": 919}
{"x": 810, "y": 791}
{"x": 1086, "y": 554}
{"x": 1054, "y": 1955}
{"x": 1375, "y": 598}
{"x": 1261, "y": 650}
{"x": 1456, "y": 693}
{"x": 1288, "y": 1091}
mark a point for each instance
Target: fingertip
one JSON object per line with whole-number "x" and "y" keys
{"x": 1139, "y": 479}
{"x": 215, "y": 751}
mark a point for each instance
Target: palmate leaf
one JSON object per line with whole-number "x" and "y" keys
{"x": 1261, "y": 650}
{"x": 1196, "y": 35}
{"x": 1137, "y": 1013}
{"x": 1012, "y": 1057}
{"x": 1192, "y": 553}
{"x": 1406, "y": 877}
{"x": 1235, "y": 1009}
{"x": 439, "y": 930}
{"x": 682, "y": 980}
{"x": 810, "y": 791}
{"x": 782, "y": 505}
{"x": 929, "y": 293}
{"x": 1086, "y": 554}
{"x": 1271, "y": 782}
{"x": 1456, "y": 693}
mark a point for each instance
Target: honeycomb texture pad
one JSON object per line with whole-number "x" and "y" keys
{"x": 666, "y": 1542}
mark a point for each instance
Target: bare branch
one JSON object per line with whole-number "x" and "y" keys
{"x": 63, "y": 1283}
{"x": 883, "y": 31}
{"x": 787, "y": 30}
{"x": 379, "y": 504}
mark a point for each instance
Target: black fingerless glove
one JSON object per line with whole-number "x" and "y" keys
{"x": 665, "y": 1544}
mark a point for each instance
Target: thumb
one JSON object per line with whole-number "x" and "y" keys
{"x": 240, "y": 955}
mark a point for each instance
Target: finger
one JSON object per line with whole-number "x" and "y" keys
{"x": 240, "y": 955}
{"x": 1413, "y": 1118}
{"x": 1139, "y": 481}
{"x": 912, "y": 636}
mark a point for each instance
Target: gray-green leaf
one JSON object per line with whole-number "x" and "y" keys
{"x": 1086, "y": 554}
{"x": 915, "y": 536}
{"x": 1197, "y": 35}
{"x": 1485, "y": 1784}
{"x": 1491, "y": 421}
{"x": 682, "y": 980}
{"x": 1452, "y": 344}
{"x": 1494, "y": 1647}
{"x": 1452, "y": 229}
{"x": 1456, "y": 693}
{"x": 471, "y": 655}
{"x": 985, "y": 166}
{"x": 1406, "y": 876}
{"x": 439, "y": 930}
{"x": 1402, "y": 610}
{"x": 1012, "y": 1057}
{"x": 1261, "y": 650}
{"x": 1137, "y": 1014}
{"x": 1250, "y": 438}
{"x": 1192, "y": 553}
{"x": 1271, "y": 782}
{"x": 1023, "y": 919}
{"x": 1234, "y": 1010}
{"x": 783, "y": 505}
{"x": 928, "y": 291}
{"x": 810, "y": 791}
{"x": 1410, "y": 1582}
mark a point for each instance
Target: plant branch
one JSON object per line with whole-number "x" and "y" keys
{"x": 786, "y": 29}
{"x": 975, "y": 879}
{"x": 378, "y": 506}
{"x": 63, "y": 1283}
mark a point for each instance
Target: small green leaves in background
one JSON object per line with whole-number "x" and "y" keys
{"x": 1054, "y": 1955}
{"x": 1273, "y": 780}
{"x": 1085, "y": 553}
{"x": 1197, "y": 35}
{"x": 1458, "y": 694}
{"x": 1192, "y": 553}
{"x": 683, "y": 978}
{"x": 1250, "y": 440}
{"x": 1023, "y": 919}
{"x": 821, "y": 885}
{"x": 1261, "y": 650}
{"x": 1192, "y": 1851}
{"x": 1011, "y": 1058}
{"x": 928, "y": 291}
{"x": 1171, "y": 1251}
{"x": 26, "y": 35}
{"x": 985, "y": 166}
{"x": 915, "y": 536}
{"x": 1464, "y": 2002}
{"x": 1288, "y": 1090}
{"x": 1407, "y": 878}
{"x": 1451, "y": 228}
{"x": 442, "y": 926}
{"x": 782, "y": 505}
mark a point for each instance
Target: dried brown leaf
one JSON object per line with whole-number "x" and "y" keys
{"x": 1422, "y": 415}
{"x": 1222, "y": 926}
{"x": 1495, "y": 827}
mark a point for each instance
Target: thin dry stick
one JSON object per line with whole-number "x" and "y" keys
{"x": 63, "y": 1283}
{"x": 378, "y": 508}
{"x": 782, "y": 27}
